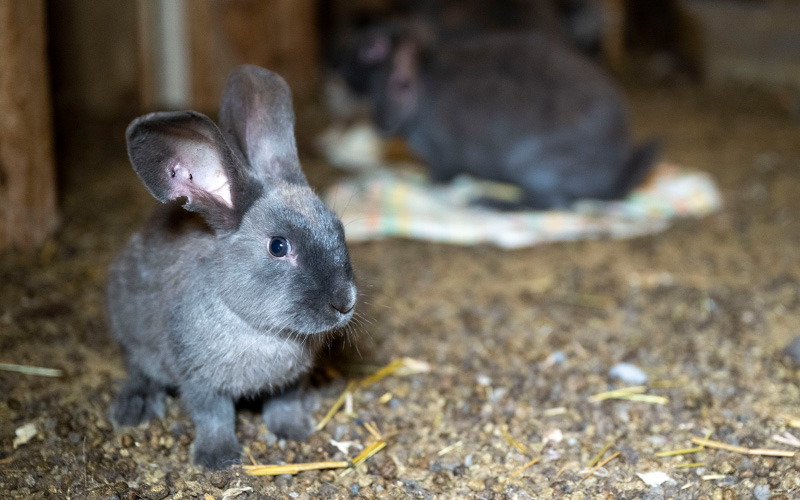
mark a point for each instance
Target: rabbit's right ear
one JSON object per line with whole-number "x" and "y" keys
{"x": 183, "y": 155}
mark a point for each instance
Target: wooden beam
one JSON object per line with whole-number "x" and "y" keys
{"x": 277, "y": 34}
{"x": 27, "y": 176}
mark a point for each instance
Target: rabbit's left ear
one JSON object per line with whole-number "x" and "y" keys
{"x": 183, "y": 155}
{"x": 257, "y": 118}
{"x": 403, "y": 86}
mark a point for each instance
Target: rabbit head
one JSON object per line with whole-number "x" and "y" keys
{"x": 278, "y": 259}
{"x": 385, "y": 63}
{"x": 399, "y": 87}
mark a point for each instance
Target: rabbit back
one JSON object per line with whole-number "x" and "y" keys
{"x": 524, "y": 109}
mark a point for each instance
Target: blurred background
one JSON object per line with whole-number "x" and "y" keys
{"x": 74, "y": 72}
{"x": 707, "y": 307}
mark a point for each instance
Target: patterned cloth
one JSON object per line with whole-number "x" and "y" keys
{"x": 379, "y": 203}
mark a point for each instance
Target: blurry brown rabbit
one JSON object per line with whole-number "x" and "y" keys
{"x": 234, "y": 302}
{"x": 518, "y": 108}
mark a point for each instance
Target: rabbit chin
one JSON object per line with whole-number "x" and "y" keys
{"x": 323, "y": 326}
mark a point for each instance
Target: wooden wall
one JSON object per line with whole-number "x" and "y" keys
{"x": 277, "y": 34}
{"x": 27, "y": 180}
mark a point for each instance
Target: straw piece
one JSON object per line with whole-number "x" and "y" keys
{"x": 684, "y": 451}
{"x": 365, "y": 454}
{"x": 787, "y": 439}
{"x": 600, "y": 464}
{"x": 599, "y": 455}
{"x": 277, "y": 470}
{"x": 521, "y": 469}
{"x": 381, "y": 373}
{"x": 741, "y": 449}
{"x": 791, "y": 420}
{"x": 689, "y": 465}
{"x": 348, "y": 405}
{"x": 512, "y": 441}
{"x": 372, "y": 428}
{"x": 402, "y": 366}
{"x": 338, "y": 404}
{"x": 368, "y": 452}
{"x": 644, "y": 398}
{"x": 448, "y": 449}
{"x": 616, "y": 393}
{"x": 32, "y": 370}
{"x": 612, "y": 457}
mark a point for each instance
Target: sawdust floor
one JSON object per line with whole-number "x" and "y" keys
{"x": 517, "y": 342}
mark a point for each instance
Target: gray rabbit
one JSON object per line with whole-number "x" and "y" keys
{"x": 519, "y": 108}
{"x": 231, "y": 299}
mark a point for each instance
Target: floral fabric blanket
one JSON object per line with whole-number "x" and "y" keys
{"x": 382, "y": 202}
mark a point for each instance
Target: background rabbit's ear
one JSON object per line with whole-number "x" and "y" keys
{"x": 403, "y": 85}
{"x": 183, "y": 155}
{"x": 257, "y": 118}
{"x": 375, "y": 48}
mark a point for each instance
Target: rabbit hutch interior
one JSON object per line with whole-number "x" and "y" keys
{"x": 523, "y": 249}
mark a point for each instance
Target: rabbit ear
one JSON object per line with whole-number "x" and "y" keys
{"x": 257, "y": 118}
{"x": 183, "y": 155}
{"x": 403, "y": 85}
{"x": 375, "y": 49}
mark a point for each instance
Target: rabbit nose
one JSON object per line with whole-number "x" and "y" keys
{"x": 344, "y": 300}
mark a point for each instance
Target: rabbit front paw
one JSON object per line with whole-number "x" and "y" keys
{"x": 287, "y": 415}
{"x": 217, "y": 455}
{"x": 290, "y": 426}
{"x": 139, "y": 401}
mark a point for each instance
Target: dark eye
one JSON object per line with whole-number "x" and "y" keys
{"x": 278, "y": 246}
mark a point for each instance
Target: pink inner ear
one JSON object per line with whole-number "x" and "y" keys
{"x": 203, "y": 172}
{"x": 376, "y": 51}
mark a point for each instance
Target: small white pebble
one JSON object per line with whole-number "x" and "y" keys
{"x": 483, "y": 380}
{"x": 655, "y": 478}
{"x": 555, "y": 358}
{"x": 553, "y": 436}
{"x": 24, "y": 434}
{"x": 761, "y": 492}
{"x": 628, "y": 373}
{"x": 468, "y": 460}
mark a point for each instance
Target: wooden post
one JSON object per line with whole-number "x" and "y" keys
{"x": 27, "y": 176}
{"x": 276, "y": 34}
{"x": 612, "y": 45}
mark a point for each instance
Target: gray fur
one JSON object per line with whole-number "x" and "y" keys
{"x": 524, "y": 109}
{"x": 197, "y": 302}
